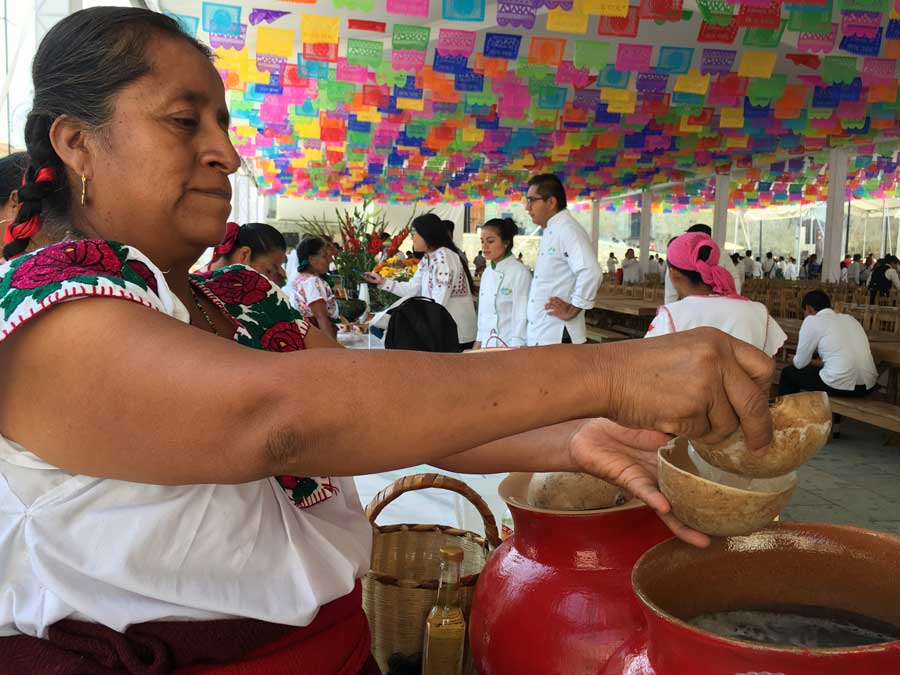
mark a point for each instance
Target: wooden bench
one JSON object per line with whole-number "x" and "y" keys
{"x": 871, "y": 411}
{"x": 595, "y": 334}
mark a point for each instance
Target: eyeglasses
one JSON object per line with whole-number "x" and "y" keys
{"x": 532, "y": 200}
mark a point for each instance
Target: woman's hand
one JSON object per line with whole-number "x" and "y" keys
{"x": 372, "y": 278}
{"x": 628, "y": 458}
{"x": 699, "y": 384}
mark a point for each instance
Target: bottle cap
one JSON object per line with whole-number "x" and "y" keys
{"x": 454, "y": 553}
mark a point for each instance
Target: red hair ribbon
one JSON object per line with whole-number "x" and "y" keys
{"x": 30, "y": 227}
{"x": 227, "y": 244}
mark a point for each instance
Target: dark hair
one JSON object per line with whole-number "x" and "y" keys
{"x": 857, "y": 257}
{"x": 700, "y": 227}
{"x": 817, "y": 299}
{"x": 549, "y": 185}
{"x": 12, "y": 168}
{"x": 434, "y": 232}
{"x": 308, "y": 247}
{"x": 891, "y": 259}
{"x": 694, "y": 277}
{"x": 450, "y": 225}
{"x": 260, "y": 238}
{"x": 749, "y": 253}
{"x": 506, "y": 228}
{"x": 82, "y": 63}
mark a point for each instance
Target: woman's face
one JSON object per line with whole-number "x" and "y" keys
{"x": 271, "y": 265}
{"x": 158, "y": 174}
{"x": 418, "y": 243}
{"x": 318, "y": 263}
{"x": 492, "y": 246}
{"x": 629, "y": 253}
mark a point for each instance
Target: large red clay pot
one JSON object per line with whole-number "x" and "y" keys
{"x": 556, "y": 597}
{"x": 831, "y": 566}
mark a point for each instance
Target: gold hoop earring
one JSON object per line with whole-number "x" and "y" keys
{"x": 83, "y": 188}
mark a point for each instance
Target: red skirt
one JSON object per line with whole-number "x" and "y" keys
{"x": 335, "y": 643}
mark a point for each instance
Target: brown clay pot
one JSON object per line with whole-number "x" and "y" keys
{"x": 831, "y": 566}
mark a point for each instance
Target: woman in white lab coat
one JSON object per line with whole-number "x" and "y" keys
{"x": 505, "y": 282}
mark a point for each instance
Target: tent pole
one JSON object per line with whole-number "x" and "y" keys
{"x": 646, "y": 222}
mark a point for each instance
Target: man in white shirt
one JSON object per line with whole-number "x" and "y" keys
{"x": 768, "y": 265}
{"x": 848, "y": 367}
{"x": 725, "y": 261}
{"x": 566, "y": 273}
{"x": 611, "y": 264}
{"x": 855, "y": 269}
{"x": 747, "y": 264}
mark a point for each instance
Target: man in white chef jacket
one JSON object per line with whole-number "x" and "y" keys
{"x": 725, "y": 261}
{"x": 566, "y": 273}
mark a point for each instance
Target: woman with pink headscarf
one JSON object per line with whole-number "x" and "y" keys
{"x": 709, "y": 297}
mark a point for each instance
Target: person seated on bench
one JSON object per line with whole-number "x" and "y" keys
{"x": 709, "y": 297}
{"x": 842, "y": 344}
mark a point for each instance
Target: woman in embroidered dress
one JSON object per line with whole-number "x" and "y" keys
{"x": 503, "y": 295}
{"x": 148, "y": 525}
{"x": 442, "y": 276}
{"x": 255, "y": 245}
{"x": 309, "y": 293}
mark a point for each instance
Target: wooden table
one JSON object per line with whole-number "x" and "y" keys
{"x": 630, "y": 306}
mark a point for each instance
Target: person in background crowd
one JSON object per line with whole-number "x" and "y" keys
{"x": 848, "y": 367}
{"x": 451, "y": 228}
{"x": 661, "y": 266}
{"x": 503, "y": 295}
{"x": 309, "y": 293}
{"x": 866, "y": 271}
{"x": 780, "y": 267}
{"x": 843, "y": 275}
{"x": 256, "y": 245}
{"x": 757, "y": 269}
{"x": 480, "y": 264}
{"x": 671, "y": 293}
{"x": 441, "y": 275}
{"x": 790, "y": 269}
{"x": 768, "y": 265}
{"x": 747, "y": 263}
{"x": 631, "y": 268}
{"x": 708, "y": 297}
{"x": 736, "y": 261}
{"x": 884, "y": 277}
{"x": 611, "y": 264}
{"x": 813, "y": 267}
{"x": 566, "y": 274}
{"x": 12, "y": 168}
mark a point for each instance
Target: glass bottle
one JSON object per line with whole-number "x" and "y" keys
{"x": 445, "y": 628}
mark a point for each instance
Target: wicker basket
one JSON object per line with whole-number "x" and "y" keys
{"x": 401, "y": 587}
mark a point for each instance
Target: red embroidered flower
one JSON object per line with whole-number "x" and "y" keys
{"x": 144, "y": 273}
{"x": 239, "y": 287}
{"x": 88, "y": 257}
{"x": 284, "y": 336}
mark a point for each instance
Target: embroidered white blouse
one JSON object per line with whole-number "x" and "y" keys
{"x": 440, "y": 276}
{"x": 118, "y": 553}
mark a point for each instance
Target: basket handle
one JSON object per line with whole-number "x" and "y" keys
{"x": 424, "y": 481}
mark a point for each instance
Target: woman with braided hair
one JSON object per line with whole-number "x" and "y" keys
{"x": 12, "y": 170}
{"x": 255, "y": 245}
{"x": 150, "y": 525}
